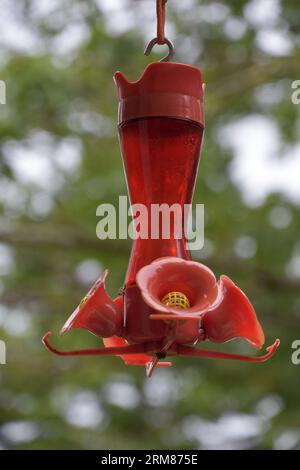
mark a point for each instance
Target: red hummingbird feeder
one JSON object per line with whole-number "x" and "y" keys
{"x": 168, "y": 303}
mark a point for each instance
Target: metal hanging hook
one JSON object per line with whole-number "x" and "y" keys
{"x": 167, "y": 41}
{"x": 160, "y": 38}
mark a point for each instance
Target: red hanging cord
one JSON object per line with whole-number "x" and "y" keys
{"x": 161, "y": 19}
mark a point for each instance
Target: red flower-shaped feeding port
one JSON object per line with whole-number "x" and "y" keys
{"x": 168, "y": 302}
{"x": 222, "y": 309}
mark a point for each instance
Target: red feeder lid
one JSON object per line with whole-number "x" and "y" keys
{"x": 165, "y": 89}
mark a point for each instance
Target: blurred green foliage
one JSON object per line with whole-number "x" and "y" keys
{"x": 48, "y": 231}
